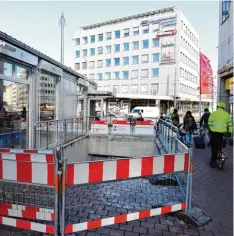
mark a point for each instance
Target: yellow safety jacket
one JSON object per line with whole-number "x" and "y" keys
{"x": 220, "y": 121}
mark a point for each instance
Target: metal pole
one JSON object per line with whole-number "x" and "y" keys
{"x": 175, "y": 90}
{"x": 62, "y": 24}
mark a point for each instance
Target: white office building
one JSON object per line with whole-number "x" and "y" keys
{"x": 225, "y": 81}
{"x": 148, "y": 58}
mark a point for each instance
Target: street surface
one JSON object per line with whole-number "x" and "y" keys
{"x": 212, "y": 192}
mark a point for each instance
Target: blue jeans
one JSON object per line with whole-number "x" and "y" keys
{"x": 188, "y": 138}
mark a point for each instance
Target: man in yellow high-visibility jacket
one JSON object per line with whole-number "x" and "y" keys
{"x": 219, "y": 123}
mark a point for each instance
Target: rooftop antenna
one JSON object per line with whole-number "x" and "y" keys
{"x": 62, "y": 23}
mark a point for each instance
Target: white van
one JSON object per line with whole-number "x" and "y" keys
{"x": 148, "y": 113}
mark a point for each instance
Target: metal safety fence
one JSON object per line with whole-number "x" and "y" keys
{"x": 29, "y": 190}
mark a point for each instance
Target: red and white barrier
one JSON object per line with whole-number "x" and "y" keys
{"x": 121, "y": 127}
{"x": 94, "y": 172}
{"x": 47, "y": 229}
{"x": 8, "y": 150}
{"x": 99, "y": 127}
{"x": 144, "y": 127}
{"x": 28, "y": 168}
{"x": 123, "y": 218}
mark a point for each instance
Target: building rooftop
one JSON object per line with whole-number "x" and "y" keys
{"x": 164, "y": 10}
{"x": 9, "y": 39}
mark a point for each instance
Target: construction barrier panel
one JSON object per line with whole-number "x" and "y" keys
{"x": 121, "y": 127}
{"x": 101, "y": 193}
{"x": 145, "y": 127}
{"x": 99, "y": 127}
{"x": 29, "y": 190}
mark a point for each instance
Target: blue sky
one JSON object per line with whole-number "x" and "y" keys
{"x": 36, "y": 23}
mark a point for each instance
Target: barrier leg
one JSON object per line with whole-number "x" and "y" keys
{"x": 191, "y": 178}
{"x": 56, "y": 201}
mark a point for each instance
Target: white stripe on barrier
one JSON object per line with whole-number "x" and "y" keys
{"x": 158, "y": 165}
{"x": 179, "y": 162}
{"x": 107, "y": 174}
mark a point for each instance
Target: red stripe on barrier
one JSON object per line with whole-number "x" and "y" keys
{"x": 52, "y": 217}
{"x": 120, "y": 122}
{"x": 146, "y": 122}
{"x": 144, "y": 214}
{"x": 94, "y": 224}
{"x": 166, "y": 209}
{"x": 22, "y": 157}
{"x": 30, "y": 151}
{"x": 23, "y": 224}
{"x": 96, "y": 172}
{"x": 69, "y": 229}
{"x": 70, "y": 174}
{"x": 4, "y": 211}
{"x": 120, "y": 219}
{"x": 5, "y": 205}
{"x": 24, "y": 171}
{"x": 49, "y": 158}
{"x": 49, "y": 229}
{"x": 169, "y": 163}
{"x": 50, "y": 175}
{"x": 30, "y": 208}
{"x": 183, "y": 206}
{"x": 186, "y": 161}
{"x": 122, "y": 171}
{"x": 1, "y": 170}
{"x": 29, "y": 214}
{"x": 147, "y": 166}
{"x": 0, "y": 220}
{"x": 5, "y": 150}
{"x": 100, "y": 122}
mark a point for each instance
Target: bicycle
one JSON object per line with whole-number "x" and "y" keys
{"x": 221, "y": 157}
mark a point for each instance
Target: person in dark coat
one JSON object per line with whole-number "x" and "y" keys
{"x": 204, "y": 124}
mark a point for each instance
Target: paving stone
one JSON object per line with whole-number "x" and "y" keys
{"x": 104, "y": 230}
{"x": 167, "y": 233}
{"x": 126, "y": 227}
{"x": 190, "y": 231}
{"x": 206, "y": 233}
{"x": 131, "y": 234}
{"x": 115, "y": 232}
{"x": 147, "y": 225}
{"x": 161, "y": 227}
{"x": 175, "y": 229}
{"x": 140, "y": 230}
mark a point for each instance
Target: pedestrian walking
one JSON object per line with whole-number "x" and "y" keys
{"x": 175, "y": 119}
{"x": 219, "y": 123}
{"x": 189, "y": 126}
{"x": 204, "y": 124}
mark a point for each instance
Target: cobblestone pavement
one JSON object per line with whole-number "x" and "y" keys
{"x": 212, "y": 192}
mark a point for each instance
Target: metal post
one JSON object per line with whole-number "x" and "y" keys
{"x": 47, "y": 134}
{"x": 56, "y": 201}
{"x": 175, "y": 90}
{"x": 63, "y": 195}
{"x": 62, "y": 24}
{"x": 189, "y": 181}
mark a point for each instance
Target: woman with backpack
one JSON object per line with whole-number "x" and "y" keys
{"x": 189, "y": 126}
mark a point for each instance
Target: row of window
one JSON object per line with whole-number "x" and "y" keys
{"x": 117, "y": 62}
{"x": 188, "y": 76}
{"x": 117, "y": 34}
{"x": 187, "y": 90}
{"x": 125, "y": 75}
{"x": 187, "y": 61}
{"x": 117, "y": 48}
{"x": 134, "y": 88}
{"x": 186, "y": 45}
{"x": 189, "y": 33}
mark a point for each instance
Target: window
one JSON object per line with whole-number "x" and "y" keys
{"x": 117, "y": 34}
{"x": 155, "y": 72}
{"x": 145, "y": 29}
{"x": 117, "y": 61}
{"x": 85, "y": 40}
{"x": 78, "y": 41}
{"x": 100, "y": 37}
{"x": 135, "y": 60}
{"x": 144, "y": 88}
{"x": 85, "y": 52}
{"x": 154, "y": 89}
{"x": 155, "y": 57}
{"x": 135, "y": 30}
{"x": 78, "y": 53}
{"x": 92, "y": 51}
{"x": 116, "y": 87}
{"x": 99, "y": 76}
{"x": 135, "y": 45}
{"x": 155, "y": 27}
{"x": 100, "y": 50}
{"x": 92, "y": 39}
{"x": 117, "y": 47}
{"x": 125, "y": 74}
{"x": 134, "y": 74}
{"x": 108, "y": 36}
{"x": 99, "y": 64}
{"x": 84, "y": 65}
{"x": 134, "y": 88}
{"x": 125, "y": 88}
{"x": 108, "y": 62}
{"x": 77, "y": 66}
{"x": 92, "y": 76}
{"x": 155, "y": 43}
{"x": 91, "y": 64}
{"x": 116, "y": 75}
{"x": 126, "y": 60}
{"x": 126, "y": 46}
{"x": 145, "y": 43}
{"x": 145, "y": 58}
{"x": 144, "y": 73}
{"x": 126, "y": 32}
{"x": 108, "y": 49}
{"x": 225, "y": 9}
{"x": 108, "y": 75}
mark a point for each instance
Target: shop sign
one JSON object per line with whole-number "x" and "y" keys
{"x": 159, "y": 19}
{"x": 225, "y": 68}
{"x": 166, "y": 33}
{"x": 229, "y": 83}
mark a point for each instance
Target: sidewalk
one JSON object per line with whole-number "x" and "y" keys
{"x": 213, "y": 191}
